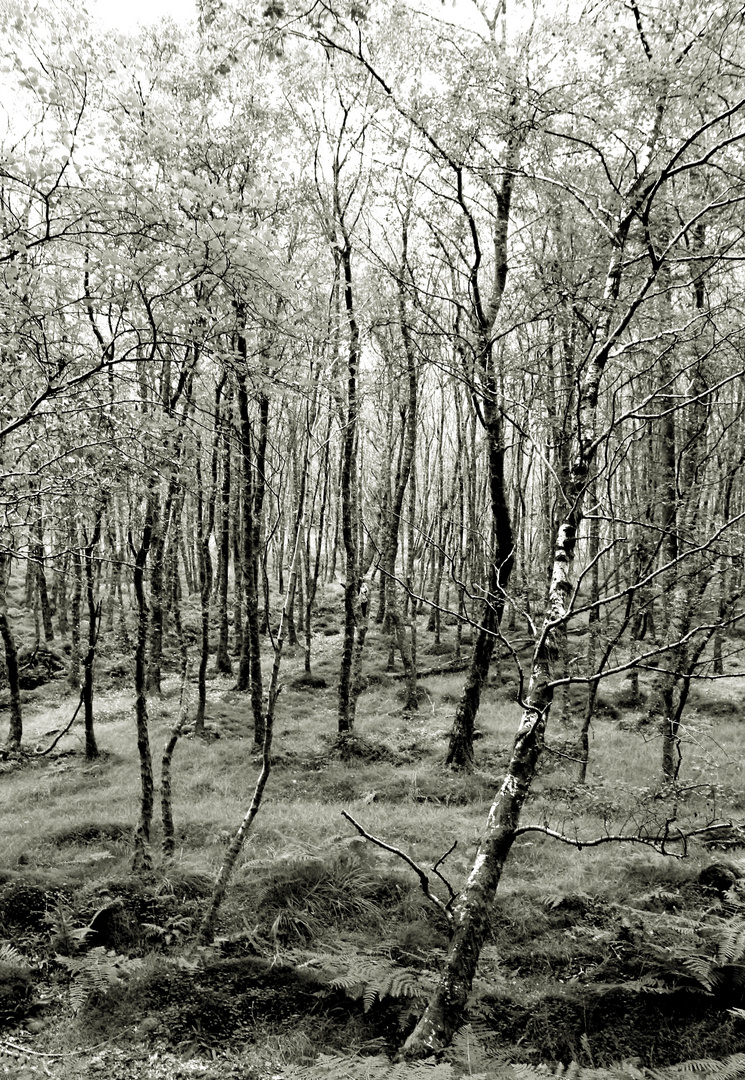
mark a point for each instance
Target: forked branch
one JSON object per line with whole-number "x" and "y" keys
{"x": 445, "y": 908}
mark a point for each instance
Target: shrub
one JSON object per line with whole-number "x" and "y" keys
{"x": 304, "y": 896}
{"x": 15, "y": 984}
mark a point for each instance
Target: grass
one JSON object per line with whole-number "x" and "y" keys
{"x": 307, "y": 881}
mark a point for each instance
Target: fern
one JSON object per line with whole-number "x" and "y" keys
{"x": 372, "y": 981}
{"x": 67, "y": 937}
{"x": 731, "y": 948}
{"x": 731, "y": 1068}
{"x": 12, "y": 957}
{"x": 709, "y": 958}
{"x": 95, "y": 974}
{"x": 335, "y": 1067}
{"x": 476, "y": 1050}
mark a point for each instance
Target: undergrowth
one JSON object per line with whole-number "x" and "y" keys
{"x": 602, "y": 964}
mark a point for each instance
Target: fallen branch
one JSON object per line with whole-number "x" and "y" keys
{"x": 18, "y": 1047}
{"x": 450, "y": 667}
{"x": 42, "y": 753}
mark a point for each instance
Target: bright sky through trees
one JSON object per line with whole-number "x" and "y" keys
{"x": 127, "y": 14}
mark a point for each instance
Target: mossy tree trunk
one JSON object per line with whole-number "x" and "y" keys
{"x": 354, "y": 635}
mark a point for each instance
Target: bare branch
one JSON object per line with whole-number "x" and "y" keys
{"x": 657, "y": 843}
{"x": 421, "y": 874}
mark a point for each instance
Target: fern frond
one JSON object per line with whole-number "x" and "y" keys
{"x": 730, "y": 1068}
{"x": 370, "y": 995}
{"x": 348, "y": 982}
{"x": 405, "y": 983}
{"x": 472, "y": 1051}
{"x": 370, "y": 980}
{"x": 732, "y": 944}
{"x": 94, "y": 973}
{"x": 9, "y": 954}
{"x": 429, "y": 1069}
{"x": 701, "y": 970}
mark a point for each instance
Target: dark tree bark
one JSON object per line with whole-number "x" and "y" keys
{"x": 485, "y": 312}
{"x": 222, "y": 660}
{"x": 312, "y": 563}
{"x": 142, "y": 859}
{"x": 38, "y": 557}
{"x": 75, "y": 614}
{"x": 250, "y": 674}
{"x": 94, "y": 624}
{"x": 15, "y": 730}
{"x": 354, "y": 636}
{"x": 166, "y": 789}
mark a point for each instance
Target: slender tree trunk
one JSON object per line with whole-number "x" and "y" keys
{"x": 166, "y": 790}
{"x": 62, "y": 575}
{"x": 205, "y": 522}
{"x": 593, "y": 550}
{"x": 142, "y": 859}
{"x": 222, "y": 660}
{"x": 250, "y": 673}
{"x": 15, "y": 730}
{"x": 94, "y": 624}
{"x": 312, "y": 576}
{"x": 75, "y": 615}
{"x": 460, "y": 750}
{"x": 207, "y": 927}
{"x": 352, "y": 645}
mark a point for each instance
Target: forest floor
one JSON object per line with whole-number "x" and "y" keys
{"x": 614, "y": 958}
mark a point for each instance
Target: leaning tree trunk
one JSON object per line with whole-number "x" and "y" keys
{"x": 444, "y": 1013}
{"x": 460, "y": 750}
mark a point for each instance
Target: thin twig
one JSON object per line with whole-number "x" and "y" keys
{"x": 442, "y": 877}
